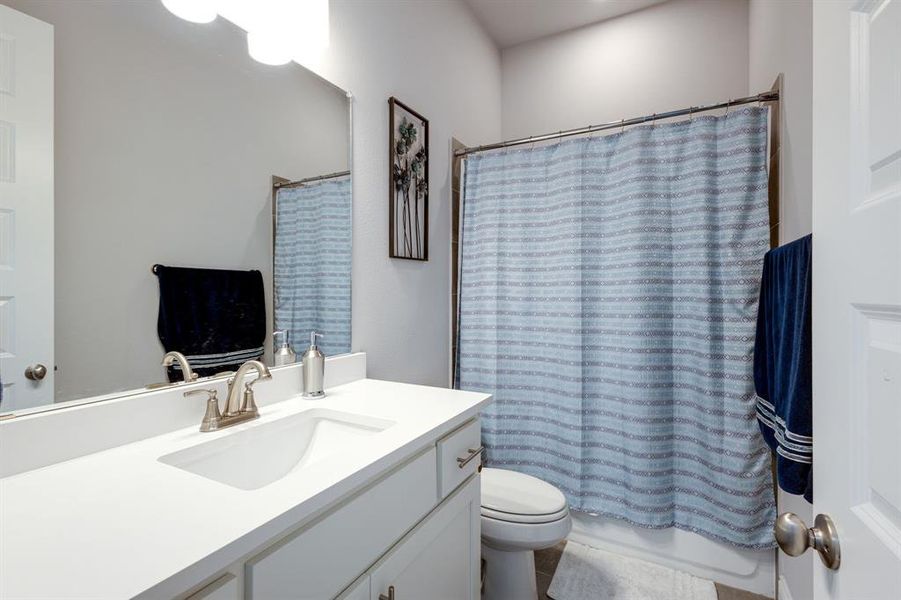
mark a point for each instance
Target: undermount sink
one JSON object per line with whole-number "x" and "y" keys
{"x": 266, "y": 452}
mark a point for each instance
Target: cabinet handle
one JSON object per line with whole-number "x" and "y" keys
{"x": 390, "y": 595}
{"x": 462, "y": 461}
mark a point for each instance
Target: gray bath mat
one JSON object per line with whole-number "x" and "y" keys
{"x": 587, "y": 573}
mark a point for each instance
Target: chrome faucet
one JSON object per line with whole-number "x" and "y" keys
{"x": 234, "y": 405}
{"x": 173, "y": 357}
{"x": 237, "y": 410}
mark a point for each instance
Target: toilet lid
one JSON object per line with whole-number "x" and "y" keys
{"x": 511, "y": 493}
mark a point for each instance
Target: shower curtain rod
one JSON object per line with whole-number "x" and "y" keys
{"x": 769, "y": 96}
{"x": 283, "y": 183}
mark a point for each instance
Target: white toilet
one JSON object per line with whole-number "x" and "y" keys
{"x": 520, "y": 514}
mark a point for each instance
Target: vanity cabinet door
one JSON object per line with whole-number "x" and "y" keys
{"x": 358, "y": 591}
{"x": 439, "y": 559}
{"x": 324, "y": 557}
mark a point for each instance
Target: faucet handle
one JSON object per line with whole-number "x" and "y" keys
{"x": 212, "y": 416}
{"x": 249, "y": 405}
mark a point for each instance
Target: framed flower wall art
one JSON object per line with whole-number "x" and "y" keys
{"x": 408, "y": 185}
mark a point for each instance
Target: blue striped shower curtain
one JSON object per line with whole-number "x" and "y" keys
{"x": 608, "y": 299}
{"x": 312, "y": 263}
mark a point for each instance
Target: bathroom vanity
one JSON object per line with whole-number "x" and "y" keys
{"x": 370, "y": 492}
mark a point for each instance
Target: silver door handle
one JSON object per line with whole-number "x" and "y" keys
{"x": 462, "y": 461}
{"x": 35, "y": 372}
{"x": 390, "y": 595}
{"x": 794, "y": 538}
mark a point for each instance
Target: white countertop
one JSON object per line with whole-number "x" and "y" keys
{"x": 119, "y": 523}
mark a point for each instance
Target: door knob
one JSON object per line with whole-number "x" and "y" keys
{"x": 794, "y": 538}
{"x": 35, "y": 372}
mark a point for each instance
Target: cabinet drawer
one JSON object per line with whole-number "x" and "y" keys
{"x": 323, "y": 558}
{"x": 458, "y": 444}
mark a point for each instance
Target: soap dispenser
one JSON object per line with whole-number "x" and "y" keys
{"x": 284, "y": 353}
{"x": 313, "y": 369}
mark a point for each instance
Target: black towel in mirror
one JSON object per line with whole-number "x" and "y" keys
{"x": 215, "y": 317}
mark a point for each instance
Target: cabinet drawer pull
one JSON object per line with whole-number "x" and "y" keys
{"x": 462, "y": 461}
{"x": 390, "y": 595}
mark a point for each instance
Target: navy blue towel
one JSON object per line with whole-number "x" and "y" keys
{"x": 782, "y": 364}
{"x": 215, "y": 317}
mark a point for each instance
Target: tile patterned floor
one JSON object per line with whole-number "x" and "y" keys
{"x": 724, "y": 592}
{"x": 546, "y": 563}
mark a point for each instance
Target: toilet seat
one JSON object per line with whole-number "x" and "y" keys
{"x": 519, "y": 498}
{"x": 524, "y": 519}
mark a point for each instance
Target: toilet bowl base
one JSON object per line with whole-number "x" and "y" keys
{"x": 509, "y": 575}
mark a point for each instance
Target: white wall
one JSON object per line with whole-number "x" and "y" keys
{"x": 167, "y": 135}
{"x": 434, "y": 57}
{"x": 781, "y": 41}
{"x": 677, "y": 54}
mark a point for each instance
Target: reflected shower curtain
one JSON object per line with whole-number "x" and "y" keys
{"x": 312, "y": 263}
{"x": 608, "y": 300}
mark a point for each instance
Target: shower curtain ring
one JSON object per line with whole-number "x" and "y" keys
{"x": 728, "y": 105}
{"x": 531, "y": 143}
{"x": 622, "y": 126}
{"x": 691, "y": 114}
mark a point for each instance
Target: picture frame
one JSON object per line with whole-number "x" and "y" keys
{"x": 408, "y": 182}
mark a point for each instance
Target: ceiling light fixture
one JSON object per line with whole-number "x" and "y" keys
{"x": 278, "y": 31}
{"x": 196, "y": 11}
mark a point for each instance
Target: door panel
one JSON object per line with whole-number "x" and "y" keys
{"x": 439, "y": 560}
{"x": 321, "y": 559}
{"x": 857, "y": 293}
{"x": 26, "y": 208}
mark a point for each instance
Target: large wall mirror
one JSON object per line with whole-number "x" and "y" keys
{"x": 160, "y": 190}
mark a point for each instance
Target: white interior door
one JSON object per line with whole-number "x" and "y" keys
{"x": 857, "y": 293}
{"x": 26, "y": 210}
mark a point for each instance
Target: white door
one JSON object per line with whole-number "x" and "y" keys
{"x": 26, "y": 210}
{"x": 439, "y": 560}
{"x": 857, "y": 293}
